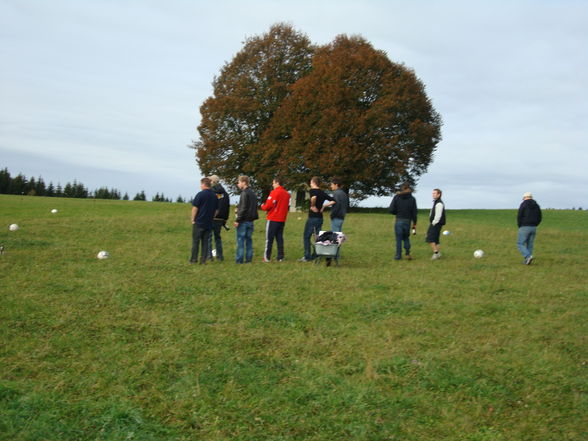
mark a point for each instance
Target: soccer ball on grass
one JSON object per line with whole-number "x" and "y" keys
{"x": 478, "y": 254}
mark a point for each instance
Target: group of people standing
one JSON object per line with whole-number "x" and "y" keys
{"x": 404, "y": 206}
{"x": 210, "y": 212}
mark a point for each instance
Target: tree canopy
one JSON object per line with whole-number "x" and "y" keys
{"x": 349, "y": 112}
{"x": 247, "y": 93}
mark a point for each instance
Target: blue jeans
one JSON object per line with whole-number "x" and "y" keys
{"x": 337, "y": 225}
{"x": 313, "y": 225}
{"x": 244, "y": 241}
{"x": 526, "y": 240}
{"x": 402, "y": 231}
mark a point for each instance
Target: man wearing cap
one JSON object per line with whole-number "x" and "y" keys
{"x": 528, "y": 218}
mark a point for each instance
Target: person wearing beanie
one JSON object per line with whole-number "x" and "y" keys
{"x": 528, "y": 218}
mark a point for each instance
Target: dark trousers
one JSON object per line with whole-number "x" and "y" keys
{"x": 274, "y": 230}
{"x": 200, "y": 237}
{"x": 217, "y": 226}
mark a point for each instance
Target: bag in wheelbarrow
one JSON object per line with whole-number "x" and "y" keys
{"x": 327, "y": 246}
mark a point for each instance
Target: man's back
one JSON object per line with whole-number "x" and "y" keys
{"x": 223, "y": 202}
{"x": 404, "y": 206}
{"x": 207, "y": 203}
{"x": 529, "y": 214}
{"x": 339, "y": 210}
{"x": 247, "y": 208}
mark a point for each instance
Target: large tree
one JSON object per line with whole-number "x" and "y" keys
{"x": 247, "y": 93}
{"x": 357, "y": 115}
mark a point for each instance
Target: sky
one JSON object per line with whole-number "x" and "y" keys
{"x": 107, "y": 92}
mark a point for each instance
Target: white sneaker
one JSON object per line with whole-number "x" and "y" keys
{"x": 436, "y": 256}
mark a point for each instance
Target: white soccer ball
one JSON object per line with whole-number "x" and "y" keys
{"x": 478, "y": 254}
{"x": 54, "y": 211}
{"x": 446, "y": 233}
{"x": 13, "y": 227}
{"x": 103, "y": 255}
{"x": 213, "y": 252}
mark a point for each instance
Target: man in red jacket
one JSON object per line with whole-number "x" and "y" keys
{"x": 277, "y": 206}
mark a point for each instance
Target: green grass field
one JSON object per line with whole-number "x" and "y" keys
{"x": 143, "y": 346}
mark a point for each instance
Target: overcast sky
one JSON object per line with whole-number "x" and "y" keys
{"x": 108, "y": 92}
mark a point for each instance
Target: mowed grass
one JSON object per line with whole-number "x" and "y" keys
{"x": 143, "y": 346}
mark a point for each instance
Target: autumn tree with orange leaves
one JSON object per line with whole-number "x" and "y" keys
{"x": 351, "y": 113}
{"x": 247, "y": 93}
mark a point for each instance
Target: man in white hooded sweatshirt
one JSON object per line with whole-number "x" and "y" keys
{"x": 437, "y": 220}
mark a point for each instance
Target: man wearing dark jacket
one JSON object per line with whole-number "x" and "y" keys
{"x": 405, "y": 208}
{"x": 528, "y": 218}
{"x": 246, "y": 214}
{"x": 220, "y": 218}
{"x": 339, "y": 210}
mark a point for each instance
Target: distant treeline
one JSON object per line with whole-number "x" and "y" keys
{"x": 19, "y": 184}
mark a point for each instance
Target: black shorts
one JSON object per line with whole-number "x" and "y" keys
{"x": 433, "y": 233}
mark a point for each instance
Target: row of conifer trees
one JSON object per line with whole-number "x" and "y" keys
{"x": 22, "y": 185}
